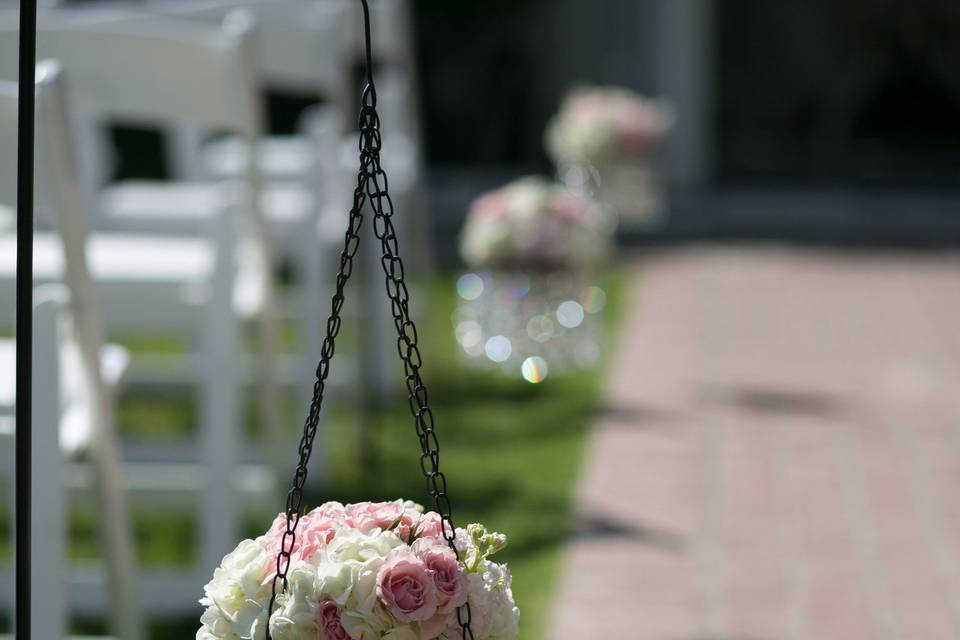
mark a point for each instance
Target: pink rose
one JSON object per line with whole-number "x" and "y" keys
{"x": 407, "y": 524}
{"x": 492, "y": 204}
{"x": 412, "y": 523}
{"x": 313, "y": 535}
{"x": 570, "y": 207}
{"x": 366, "y": 516}
{"x": 386, "y": 516}
{"x": 314, "y": 531}
{"x": 328, "y": 617}
{"x": 406, "y": 586}
{"x": 272, "y": 540}
{"x": 329, "y": 511}
{"x": 449, "y": 577}
{"x": 318, "y": 527}
{"x": 428, "y": 525}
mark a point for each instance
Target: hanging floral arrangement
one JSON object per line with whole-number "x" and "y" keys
{"x": 531, "y": 304}
{"x": 365, "y": 571}
{"x": 534, "y": 223}
{"x": 605, "y": 124}
{"x": 605, "y": 143}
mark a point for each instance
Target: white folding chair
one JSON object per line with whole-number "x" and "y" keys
{"x": 63, "y": 414}
{"x": 186, "y": 282}
{"x": 88, "y": 370}
{"x": 312, "y": 47}
{"x": 175, "y": 72}
{"x": 303, "y": 46}
{"x": 289, "y": 215}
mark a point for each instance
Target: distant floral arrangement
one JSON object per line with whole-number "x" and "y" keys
{"x": 365, "y": 571}
{"x": 534, "y": 222}
{"x": 597, "y": 124}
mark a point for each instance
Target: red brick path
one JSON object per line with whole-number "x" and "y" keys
{"x": 780, "y": 453}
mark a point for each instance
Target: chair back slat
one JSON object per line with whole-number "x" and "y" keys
{"x": 154, "y": 69}
{"x": 300, "y": 44}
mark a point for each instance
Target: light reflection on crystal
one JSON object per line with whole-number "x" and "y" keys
{"x": 520, "y": 286}
{"x": 498, "y": 348}
{"x": 593, "y": 299}
{"x": 540, "y": 328}
{"x": 474, "y": 350}
{"x": 534, "y": 369}
{"x": 466, "y": 327}
{"x": 519, "y": 321}
{"x": 469, "y": 335}
{"x": 472, "y": 339}
{"x": 570, "y": 314}
{"x": 470, "y": 286}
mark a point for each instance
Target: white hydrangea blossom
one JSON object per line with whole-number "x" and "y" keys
{"x": 495, "y": 616}
{"x": 484, "y": 240}
{"x": 347, "y": 574}
{"x": 236, "y": 596}
{"x": 297, "y": 615}
{"x": 354, "y": 545}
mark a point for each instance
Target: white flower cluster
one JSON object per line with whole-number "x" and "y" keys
{"x": 533, "y": 222}
{"x": 366, "y": 571}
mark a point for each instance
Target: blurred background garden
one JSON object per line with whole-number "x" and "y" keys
{"x": 684, "y": 274}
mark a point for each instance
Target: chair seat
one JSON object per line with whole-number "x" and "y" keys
{"x": 76, "y": 428}
{"x": 155, "y": 205}
{"x": 139, "y": 260}
{"x": 118, "y": 258}
{"x": 278, "y": 157}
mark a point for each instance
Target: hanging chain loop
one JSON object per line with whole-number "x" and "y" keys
{"x": 372, "y": 189}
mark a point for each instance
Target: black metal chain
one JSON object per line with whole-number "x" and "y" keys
{"x": 372, "y": 188}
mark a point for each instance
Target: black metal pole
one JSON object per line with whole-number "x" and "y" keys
{"x": 24, "y": 425}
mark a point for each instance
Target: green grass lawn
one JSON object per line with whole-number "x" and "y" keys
{"x": 511, "y": 455}
{"x": 511, "y": 452}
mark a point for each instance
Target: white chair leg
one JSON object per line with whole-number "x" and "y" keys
{"x": 48, "y": 555}
{"x": 95, "y": 158}
{"x": 115, "y": 530}
{"x": 183, "y": 148}
{"x": 220, "y": 416}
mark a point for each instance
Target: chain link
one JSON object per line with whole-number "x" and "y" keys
{"x": 407, "y": 336}
{"x": 372, "y": 188}
{"x": 351, "y": 244}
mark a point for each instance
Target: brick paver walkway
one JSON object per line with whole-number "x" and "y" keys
{"x": 780, "y": 453}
